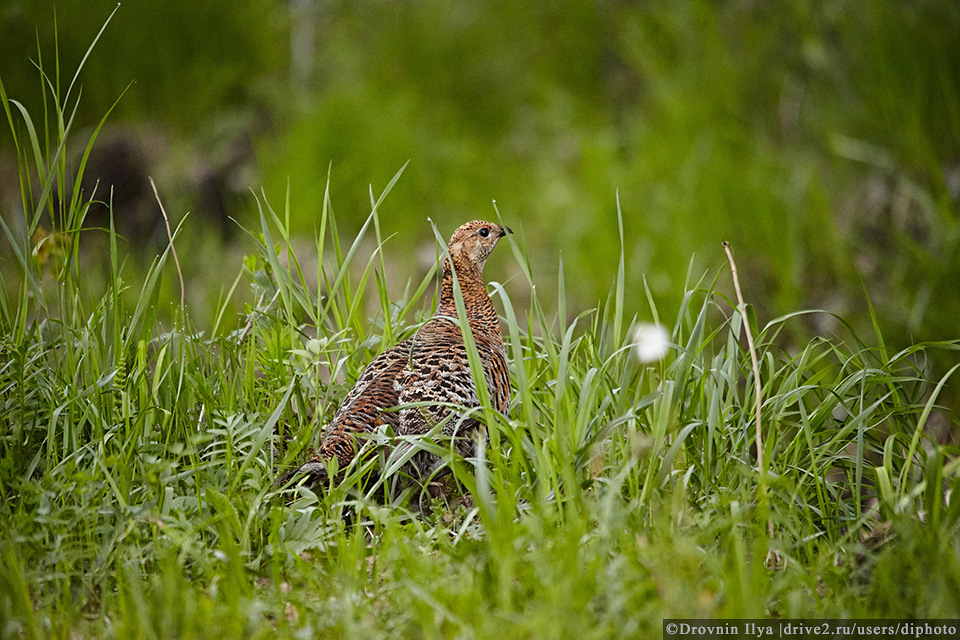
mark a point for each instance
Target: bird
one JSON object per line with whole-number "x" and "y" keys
{"x": 430, "y": 370}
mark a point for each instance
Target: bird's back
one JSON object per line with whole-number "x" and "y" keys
{"x": 440, "y": 386}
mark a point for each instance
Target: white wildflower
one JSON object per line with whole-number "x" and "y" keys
{"x": 650, "y": 342}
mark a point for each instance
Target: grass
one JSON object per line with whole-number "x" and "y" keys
{"x": 137, "y": 456}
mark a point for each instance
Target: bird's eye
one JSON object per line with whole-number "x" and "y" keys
{"x": 484, "y": 232}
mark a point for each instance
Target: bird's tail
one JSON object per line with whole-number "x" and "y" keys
{"x": 314, "y": 469}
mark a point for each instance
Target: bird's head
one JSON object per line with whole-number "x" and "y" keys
{"x": 473, "y": 242}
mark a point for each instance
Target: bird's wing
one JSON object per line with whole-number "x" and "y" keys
{"x": 363, "y": 408}
{"x": 362, "y": 411}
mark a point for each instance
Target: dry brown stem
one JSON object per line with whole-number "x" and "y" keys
{"x": 173, "y": 249}
{"x": 773, "y": 556}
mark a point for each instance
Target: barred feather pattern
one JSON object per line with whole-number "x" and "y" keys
{"x": 429, "y": 370}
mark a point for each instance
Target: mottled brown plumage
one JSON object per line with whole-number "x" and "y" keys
{"x": 430, "y": 367}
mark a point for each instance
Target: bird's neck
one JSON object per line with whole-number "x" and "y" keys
{"x": 480, "y": 310}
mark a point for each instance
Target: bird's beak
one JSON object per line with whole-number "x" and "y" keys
{"x": 504, "y": 230}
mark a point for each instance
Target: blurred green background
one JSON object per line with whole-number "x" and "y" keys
{"x": 822, "y": 139}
